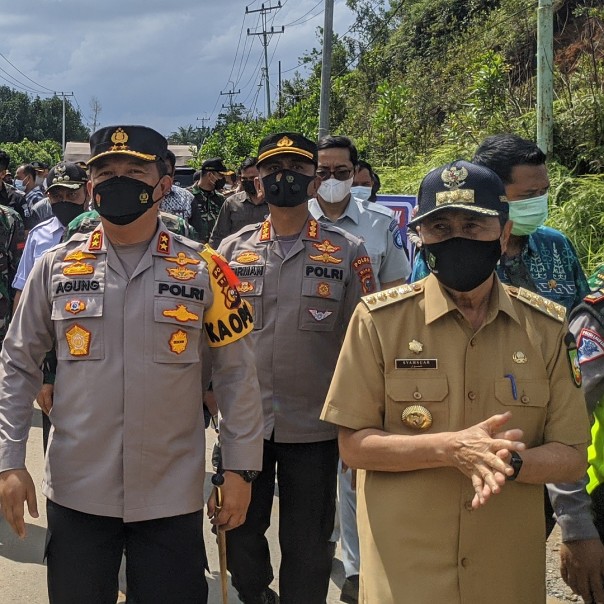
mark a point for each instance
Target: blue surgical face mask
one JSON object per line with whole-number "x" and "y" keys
{"x": 362, "y": 193}
{"x": 528, "y": 214}
{"x": 18, "y": 184}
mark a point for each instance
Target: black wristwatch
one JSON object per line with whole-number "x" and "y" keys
{"x": 247, "y": 475}
{"x": 516, "y": 463}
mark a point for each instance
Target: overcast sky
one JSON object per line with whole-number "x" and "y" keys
{"x": 158, "y": 63}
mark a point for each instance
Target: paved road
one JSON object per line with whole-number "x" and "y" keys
{"x": 23, "y": 575}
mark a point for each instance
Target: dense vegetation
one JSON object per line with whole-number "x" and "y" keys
{"x": 421, "y": 82}
{"x": 417, "y": 83}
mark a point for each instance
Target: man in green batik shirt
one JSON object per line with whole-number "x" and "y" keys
{"x": 207, "y": 198}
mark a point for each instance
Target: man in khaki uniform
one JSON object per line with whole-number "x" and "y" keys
{"x": 304, "y": 280}
{"x": 456, "y": 396}
{"x": 126, "y": 306}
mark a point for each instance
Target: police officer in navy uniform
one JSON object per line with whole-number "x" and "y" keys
{"x": 303, "y": 280}
{"x": 129, "y": 308}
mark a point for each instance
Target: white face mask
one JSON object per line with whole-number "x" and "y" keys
{"x": 333, "y": 190}
{"x": 362, "y": 193}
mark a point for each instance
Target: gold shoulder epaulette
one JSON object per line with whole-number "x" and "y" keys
{"x": 389, "y": 296}
{"x": 547, "y": 307}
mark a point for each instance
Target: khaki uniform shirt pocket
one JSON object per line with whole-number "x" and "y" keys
{"x": 250, "y": 289}
{"x": 528, "y": 403}
{"x": 320, "y": 304}
{"x": 417, "y": 404}
{"x": 79, "y": 327}
{"x": 177, "y": 330}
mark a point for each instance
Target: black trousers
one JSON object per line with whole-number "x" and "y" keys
{"x": 306, "y": 475}
{"x": 165, "y": 558}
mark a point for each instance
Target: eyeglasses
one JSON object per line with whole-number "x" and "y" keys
{"x": 339, "y": 174}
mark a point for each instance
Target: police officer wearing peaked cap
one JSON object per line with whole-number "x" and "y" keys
{"x": 463, "y": 392}
{"x": 126, "y": 306}
{"x": 303, "y": 280}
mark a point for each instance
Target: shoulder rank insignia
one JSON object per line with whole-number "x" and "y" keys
{"x": 313, "y": 229}
{"x": 163, "y": 244}
{"x": 595, "y": 297}
{"x": 96, "y": 241}
{"x": 78, "y": 268}
{"x": 78, "y": 340}
{"x": 265, "y": 231}
{"x": 394, "y": 294}
{"x": 79, "y": 255}
{"x": 181, "y": 313}
{"x": 547, "y": 307}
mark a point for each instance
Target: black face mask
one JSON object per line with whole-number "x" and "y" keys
{"x": 463, "y": 264}
{"x": 286, "y": 188}
{"x": 66, "y": 211}
{"x": 121, "y": 200}
{"x": 249, "y": 187}
{"x": 219, "y": 184}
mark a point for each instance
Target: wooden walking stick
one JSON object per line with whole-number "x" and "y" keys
{"x": 218, "y": 481}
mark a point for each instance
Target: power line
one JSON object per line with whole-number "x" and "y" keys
{"x": 295, "y": 21}
{"x": 265, "y": 33}
{"x": 25, "y": 76}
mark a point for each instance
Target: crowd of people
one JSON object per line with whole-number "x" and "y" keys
{"x": 438, "y": 406}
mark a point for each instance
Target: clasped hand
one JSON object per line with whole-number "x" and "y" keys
{"x": 482, "y": 452}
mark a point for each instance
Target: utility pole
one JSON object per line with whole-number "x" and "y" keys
{"x": 545, "y": 77}
{"x": 230, "y": 93}
{"x": 64, "y": 94}
{"x": 264, "y": 10}
{"x": 326, "y": 69}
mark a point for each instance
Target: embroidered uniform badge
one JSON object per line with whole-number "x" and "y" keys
{"x": 181, "y": 313}
{"x": 78, "y": 268}
{"x": 247, "y": 257}
{"x": 78, "y": 340}
{"x": 245, "y": 287}
{"x": 323, "y": 289}
{"x": 327, "y": 249}
{"x": 179, "y": 341}
{"x": 182, "y": 273}
{"x": 78, "y": 256}
{"x": 75, "y": 306}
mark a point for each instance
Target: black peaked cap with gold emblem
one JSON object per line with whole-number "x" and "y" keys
{"x": 66, "y": 174}
{"x": 136, "y": 141}
{"x": 287, "y": 142}
{"x": 464, "y": 186}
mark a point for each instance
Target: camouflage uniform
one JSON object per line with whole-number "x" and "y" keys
{"x": 88, "y": 221}
{"x": 596, "y": 280}
{"x": 12, "y": 242}
{"x": 205, "y": 213}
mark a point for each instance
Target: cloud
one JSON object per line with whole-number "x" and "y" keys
{"x": 154, "y": 62}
